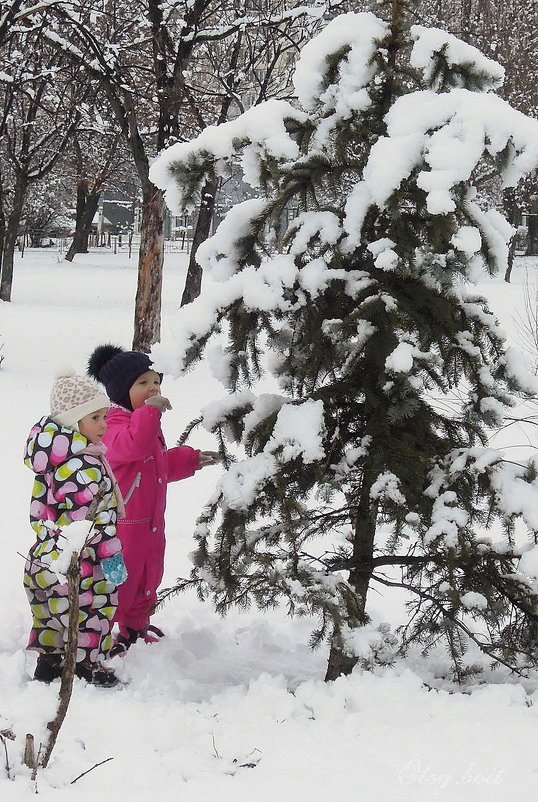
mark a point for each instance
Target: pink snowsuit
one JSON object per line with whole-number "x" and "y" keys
{"x": 143, "y": 467}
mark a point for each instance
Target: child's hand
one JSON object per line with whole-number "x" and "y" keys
{"x": 208, "y": 458}
{"x": 159, "y": 401}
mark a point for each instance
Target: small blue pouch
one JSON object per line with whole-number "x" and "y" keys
{"x": 114, "y": 569}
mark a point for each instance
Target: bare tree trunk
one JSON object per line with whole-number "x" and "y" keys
{"x": 341, "y": 663}
{"x": 10, "y": 237}
{"x": 466, "y": 22}
{"x": 510, "y": 211}
{"x": 511, "y": 255}
{"x": 147, "y": 321}
{"x": 2, "y": 221}
{"x": 193, "y": 282}
{"x": 66, "y": 687}
{"x": 87, "y": 203}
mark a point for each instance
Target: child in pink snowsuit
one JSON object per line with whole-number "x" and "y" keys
{"x": 143, "y": 466}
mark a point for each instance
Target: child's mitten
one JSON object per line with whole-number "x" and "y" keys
{"x": 114, "y": 569}
{"x": 159, "y": 401}
{"x": 208, "y": 458}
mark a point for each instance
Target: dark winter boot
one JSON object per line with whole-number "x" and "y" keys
{"x": 152, "y": 634}
{"x": 96, "y": 674}
{"x": 48, "y": 667}
{"x": 124, "y": 642}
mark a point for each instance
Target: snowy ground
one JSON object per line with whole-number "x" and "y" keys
{"x": 231, "y": 709}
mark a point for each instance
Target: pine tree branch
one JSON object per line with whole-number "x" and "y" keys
{"x": 484, "y": 647}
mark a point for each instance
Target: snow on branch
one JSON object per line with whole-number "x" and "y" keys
{"x": 357, "y": 33}
{"x": 298, "y": 432}
{"x": 444, "y": 136}
{"x": 75, "y": 536}
{"x": 431, "y": 43}
{"x": 260, "y": 290}
{"x": 256, "y": 410}
{"x": 216, "y": 412}
{"x": 262, "y": 132}
{"x": 402, "y": 359}
{"x": 220, "y": 255}
{"x": 315, "y": 11}
{"x": 324, "y": 226}
{"x": 520, "y": 371}
{"x": 64, "y": 45}
{"x": 516, "y": 496}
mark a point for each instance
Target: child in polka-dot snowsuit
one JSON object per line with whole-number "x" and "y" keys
{"x": 73, "y": 482}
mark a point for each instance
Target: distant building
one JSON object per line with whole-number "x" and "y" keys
{"x": 115, "y": 216}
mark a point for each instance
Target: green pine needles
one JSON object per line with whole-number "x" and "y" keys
{"x": 344, "y": 286}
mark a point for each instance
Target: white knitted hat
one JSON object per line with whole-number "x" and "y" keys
{"x": 73, "y": 397}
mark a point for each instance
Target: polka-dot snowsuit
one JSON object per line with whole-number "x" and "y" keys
{"x": 70, "y": 485}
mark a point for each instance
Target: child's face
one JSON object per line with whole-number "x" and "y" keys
{"x": 148, "y": 384}
{"x": 93, "y": 426}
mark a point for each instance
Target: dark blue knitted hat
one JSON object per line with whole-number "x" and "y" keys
{"x": 118, "y": 370}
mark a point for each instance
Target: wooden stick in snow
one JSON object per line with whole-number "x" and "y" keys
{"x": 29, "y": 751}
{"x": 66, "y": 687}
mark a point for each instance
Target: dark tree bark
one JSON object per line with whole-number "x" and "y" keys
{"x": 466, "y": 22}
{"x": 511, "y": 255}
{"x": 341, "y": 663}
{"x": 2, "y": 222}
{"x": 165, "y": 66}
{"x": 193, "y": 282}
{"x": 10, "y": 237}
{"x": 87, "y": 203}
{"x": 89, "y": 191}
{"x": 147, "y": 328}
{"x": 510, "y": 211}
{"x": 35, "y": 139}
{"x": 364, "y": 521}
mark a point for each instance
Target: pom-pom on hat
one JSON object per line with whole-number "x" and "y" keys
{"x": 118, "y": 370}
{"x": 73, "y": 397}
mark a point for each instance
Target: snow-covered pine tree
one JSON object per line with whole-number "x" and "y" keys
{"x": 347, "y": 281}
